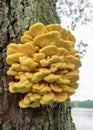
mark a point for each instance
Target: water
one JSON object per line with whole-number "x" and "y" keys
{"x": 83, "y": 118}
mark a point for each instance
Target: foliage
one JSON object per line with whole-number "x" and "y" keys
{"x": 77, "y": 12}
{"x": 82, "y": 47}
{"x": 83, "y": 104}
{"x": 73, "y": 14}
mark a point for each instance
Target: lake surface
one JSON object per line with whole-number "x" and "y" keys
{"x": 83, "y": 118}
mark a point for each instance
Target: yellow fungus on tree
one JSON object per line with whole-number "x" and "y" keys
{"x": 39, "y": 56}
{"x": 72, "y": 76}
{"x": 50, "y": 50}
{"x": 12, "y": 48}
{"x": 37, "y": 29}
{"x": 41, "y": 88}
{"x": 51, "y": 78}
{"x": 27, "y": 49}
{"x": 68, "y": 89}
{"x": 26, "y": 38}
{"x": 74, "y": 85}
{"x": 28, "y": 62}
{"x": 38, "y": 76}
{"x": 21, "y": 87}
{"x": 47, "y": 38}
{"x": 47, "y": 98}
{"x": 55, "y": 87}
{"x": 16, "y": 67}
{"x": 45, "y": 65}
{"x": 14, "y": 58}
{"x": 65, "y": 44}
{"x": 54, "y": 27}
{"x": 74, "y": 59}
{"x": 11, "y": 72}
{"x": 53, "y": 59}
{"x": 30, "y": 100}
{"x": 61, "y": 97}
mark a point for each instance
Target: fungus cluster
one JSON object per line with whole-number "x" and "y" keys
{"x": 45, "y": 65}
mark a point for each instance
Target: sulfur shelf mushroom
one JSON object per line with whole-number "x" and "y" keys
{"x": 30, "y": 100}
{"x": 47, "y": 38}
{"x": 68, "y": 89}
{"x": 45, "y": 65}
{"x": 14, "y": 58}
{"x": 74, "y": 59}
{"x": 41, "y": 88}
{"x": 21, "y": 87}
{"x": 55, "y": 87}
{"x": 48, "y": 98}
{"x": 27, "y": 63}
{"x": 61, "y": 97}
{"x": 53, "y": 59}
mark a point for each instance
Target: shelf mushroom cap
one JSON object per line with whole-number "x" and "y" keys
{"x": 45, "y": 65}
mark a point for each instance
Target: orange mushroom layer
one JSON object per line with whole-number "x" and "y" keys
{"x": 45, "y": 64}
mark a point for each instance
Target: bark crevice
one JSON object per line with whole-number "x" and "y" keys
{"x": 16, "y": 17}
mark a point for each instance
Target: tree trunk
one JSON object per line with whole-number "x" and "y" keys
{"x": 16, "y": 17}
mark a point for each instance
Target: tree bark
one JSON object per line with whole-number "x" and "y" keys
{"x": 16, "y": 17}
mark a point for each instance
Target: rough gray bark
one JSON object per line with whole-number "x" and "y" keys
{"x": 15, "y": 17}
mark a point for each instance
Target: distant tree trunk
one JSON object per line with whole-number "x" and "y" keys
{"x": 15, "y": 17}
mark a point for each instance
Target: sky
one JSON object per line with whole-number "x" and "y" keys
{"x": 85, "y": 89}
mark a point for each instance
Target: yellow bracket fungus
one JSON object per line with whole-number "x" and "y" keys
{"x": 45, "y": 65}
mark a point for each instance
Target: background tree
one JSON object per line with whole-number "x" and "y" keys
{"x": 16, "y": 17}
{"x": 74, "y": 14}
